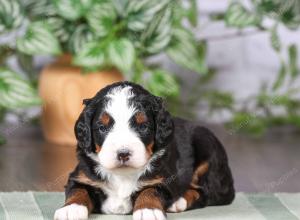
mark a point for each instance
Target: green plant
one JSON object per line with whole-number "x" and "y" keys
{"x": 99, "y": 34}
{"x": 261, "y": 111}
{"x": 277, "y": 103}
{"x": 110, "y": 33}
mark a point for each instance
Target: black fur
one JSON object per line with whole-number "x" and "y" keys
{"x": 187, "y": 145}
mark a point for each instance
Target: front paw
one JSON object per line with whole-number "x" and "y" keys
{"x": 179, "y": 206}
{"x": 72, "y": 212}
{"x": 149, "y": 214}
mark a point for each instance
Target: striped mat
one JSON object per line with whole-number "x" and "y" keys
{"x": 41, "y": 205}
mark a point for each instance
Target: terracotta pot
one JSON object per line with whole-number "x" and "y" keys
{"x": 62, "y": 88}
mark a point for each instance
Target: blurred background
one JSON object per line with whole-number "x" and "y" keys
{"x": 231, "y": 65}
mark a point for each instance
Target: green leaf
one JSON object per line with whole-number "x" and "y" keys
{"x": 286, "y": 12}
{"x": 162, "y": 83}
{"x": 121, "y": 54}
{"x": 202, "y": 49}
{"x": 293, "y": 58}
{"x": 192, "y": 13}
{"x": 275, "y": 41}
{"x": 281, "y": 77}
{"x": 289, "y": 14}
{"x": 247, "y": 123}
{"x": 39, "y": 39}
{"x": 238, "y": 16}
{"x": 11, "y": 15}
{"x": 3, "y": 112}
{"x": 266, "y": 6}
{"x": 102, "y": 17}
{"x": 294, "y": 120}
{"x": 72, "y": 9}
{"x": 177, "y": 13}
{"x": 16, "y": 92}
{"x": 218, "y": 100}
{"x": 80, "y": 38}
{"x": 91, "y": 56}
{"x": 61, "y": 28}
{"x": 159, "y": 33}
{"x": 285, "y": 101}
{"x": 5, "y": 52}
{"x": 26, "y": 63}
{"x": 184, "y": 51}
{"x": 2, "y": 140}
{"x": 141, "y": 12}
{"x": 120, "y": 6}
{"x": 39, "y": 9}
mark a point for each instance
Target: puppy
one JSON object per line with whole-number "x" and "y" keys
{"x": 134, "y": 157}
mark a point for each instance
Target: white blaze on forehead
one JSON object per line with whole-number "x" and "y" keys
{"x": 118, "y": 105}
{"x": 121, "y": 135}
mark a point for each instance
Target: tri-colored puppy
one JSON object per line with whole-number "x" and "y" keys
{"x": 134, "y": 157}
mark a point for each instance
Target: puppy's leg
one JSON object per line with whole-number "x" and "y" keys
{"x": 192, "y": 195}
{"x": 216, "y": 182}
{"x": 149, "y": 206}
{"x": 186, "y": 201}
{"x": 78, "y": 205}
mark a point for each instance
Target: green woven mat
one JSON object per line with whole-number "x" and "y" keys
{"x": 41, "y": 205}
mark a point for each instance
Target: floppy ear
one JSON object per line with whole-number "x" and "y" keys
{"x": 83, "y": 131}
{"x": 164, "y": 124}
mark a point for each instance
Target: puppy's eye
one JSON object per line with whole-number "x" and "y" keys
{"x": 143, "y": 127}
{"x": 103, "y": 128}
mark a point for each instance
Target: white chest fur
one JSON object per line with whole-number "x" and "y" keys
{"x": 119, "y": 189}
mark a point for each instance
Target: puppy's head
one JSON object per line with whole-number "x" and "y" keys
{"x": 123, "y": 126}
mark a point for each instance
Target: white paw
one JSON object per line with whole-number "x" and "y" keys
{"x": 149, "y": 214}
{"x": 179, "y": 206}
{"x": 72, "y": 212}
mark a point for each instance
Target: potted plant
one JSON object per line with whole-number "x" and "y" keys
{"x": 96, "y": 43}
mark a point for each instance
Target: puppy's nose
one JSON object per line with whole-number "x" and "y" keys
{"x": 123, "y": 155}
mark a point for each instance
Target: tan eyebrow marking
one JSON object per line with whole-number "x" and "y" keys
{"x": 140, "y": 118}
{"x": 105, "y": 118}
{"x": 98, "y": 148}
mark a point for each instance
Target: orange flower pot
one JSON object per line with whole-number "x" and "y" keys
{"x": 62, "y": 88}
